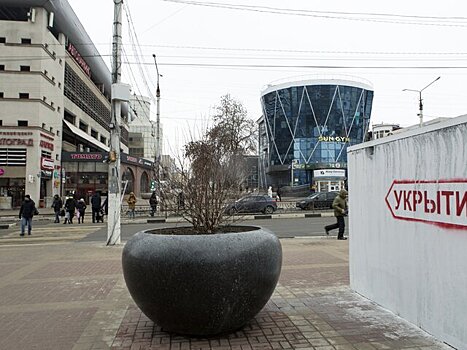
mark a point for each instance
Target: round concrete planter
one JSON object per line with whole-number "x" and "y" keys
{"x": 202, "y": 284}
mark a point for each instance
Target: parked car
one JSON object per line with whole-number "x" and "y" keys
{"x": 318, "y": 200}
{"x": 252, "y": 204}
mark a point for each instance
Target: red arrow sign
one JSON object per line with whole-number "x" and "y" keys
{"x": 438, "y": 202}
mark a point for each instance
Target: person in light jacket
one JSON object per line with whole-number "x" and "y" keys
{"x": 131, "y": 204}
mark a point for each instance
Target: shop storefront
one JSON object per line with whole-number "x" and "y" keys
{"x": 83, "y": 174}
{"x": 325, "y": 180}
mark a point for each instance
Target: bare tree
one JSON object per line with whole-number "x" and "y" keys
{"x": 212, "y": 169}
{"x": 232, "y": 127}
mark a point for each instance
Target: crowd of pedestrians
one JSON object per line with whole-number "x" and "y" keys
{"x": 77, "y": 208}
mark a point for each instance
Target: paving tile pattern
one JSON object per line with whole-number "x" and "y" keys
{"x": 56, "y": 291}
{"x": 311, "y": 308}
{"x": 72, "y": 296}
{"x": 76, "y": 269}
{"x": 50, "y": 329}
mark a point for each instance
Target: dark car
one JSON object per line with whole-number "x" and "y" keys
{"x": 252, "y": 204}
{"x": 319, "y": 200}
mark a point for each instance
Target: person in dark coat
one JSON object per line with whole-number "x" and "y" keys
{"x": 81, "y": 208}
{"x": 26, "y": 213}
{"x": 279, "y": 194}
{"x": 70, "y": 207}
{"x": 95, "y": 206}
{"x": 181, "y": 201}
{"x": 57, "y": 206}
{"x": 153, "y": 203}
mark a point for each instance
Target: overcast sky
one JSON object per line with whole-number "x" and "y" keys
{"x": 237, "y": 47}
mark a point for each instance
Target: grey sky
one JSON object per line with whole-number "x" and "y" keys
{"x": 193, "y": 44}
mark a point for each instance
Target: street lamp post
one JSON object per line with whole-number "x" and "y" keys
{"x": 421, "y": 100}
{"x": 158, "y": 121}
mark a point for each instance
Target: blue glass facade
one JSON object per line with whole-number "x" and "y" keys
{"x": 312, "y": 125}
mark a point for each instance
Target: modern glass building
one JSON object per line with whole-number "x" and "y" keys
{"x": 306, "y": 128}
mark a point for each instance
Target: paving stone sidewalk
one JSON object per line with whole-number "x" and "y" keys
{"x": 72, "y": 296}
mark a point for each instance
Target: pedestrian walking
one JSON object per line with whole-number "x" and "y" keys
{"x": 70, "y": 207}
{"x": 26, "y": 213}
{"x": 153, "y": 203}
{"x": 103, "y": 211}
{"x": 81, "y": 210}
{"x": 181, "y": 201}
{"x": 270, "y": 191}
{"x": 131, "y": 205}
{"x": 279, "y": 194}
{"x": 57, "y": 207}
{"x": 95, "y": 206}
{"x": 340, "y": 210}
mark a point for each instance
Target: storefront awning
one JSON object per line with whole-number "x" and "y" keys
{"x": 87, "y": 137}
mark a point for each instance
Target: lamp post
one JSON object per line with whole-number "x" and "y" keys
{"x": 421, "y": 100}
{"x": 158, "y": 120}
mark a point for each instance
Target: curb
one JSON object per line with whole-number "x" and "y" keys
{"x": 250, "y": 217}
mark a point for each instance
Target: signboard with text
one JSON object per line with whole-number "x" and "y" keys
{"x": 438, "y": 202}
{"x": 328, "y": 173}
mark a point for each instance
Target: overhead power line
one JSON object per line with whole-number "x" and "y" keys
{"x": 353, "y": 16}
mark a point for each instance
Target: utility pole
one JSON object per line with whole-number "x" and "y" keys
{"x": 420, "y": 100}
{"x": 114, "y": 189}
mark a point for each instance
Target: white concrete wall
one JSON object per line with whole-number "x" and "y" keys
{"x": 416, "y": 269}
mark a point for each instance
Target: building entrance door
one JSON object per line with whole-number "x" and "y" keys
{"x": 326, "y": 186}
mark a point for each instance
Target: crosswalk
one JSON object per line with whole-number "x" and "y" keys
{"x": 51, "y": 233}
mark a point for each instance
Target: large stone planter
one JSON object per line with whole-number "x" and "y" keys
{"x": 202, "y": 284}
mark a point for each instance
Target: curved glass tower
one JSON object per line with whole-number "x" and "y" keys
{"x": 309, "y": 124}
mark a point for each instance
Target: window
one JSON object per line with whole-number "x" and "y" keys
{"x": 83, "y": 126}
{"x": 46, "y": 154}
{"x": 103, "y": 140}
{"x": 23, "y": 95}
{"x": 1, "y": 122}
{"x": 2, "y": 40}
{"x": 22, "y": 123}
{"x": 70, "y": 118}
{"x": 1, "y": 94}
{"x": 2, "y": 67}
{"x": 26, "y": 41}
{"x": 25, "y": 68}
{"x": 94, "y": 134}
{"x": 12, "y": 157}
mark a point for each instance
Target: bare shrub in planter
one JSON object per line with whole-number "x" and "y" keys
{"x": 212, "y": 170}
{"x": 208, "y": 278}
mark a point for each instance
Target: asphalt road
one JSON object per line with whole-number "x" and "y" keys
{"x": 283, "y": 228}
